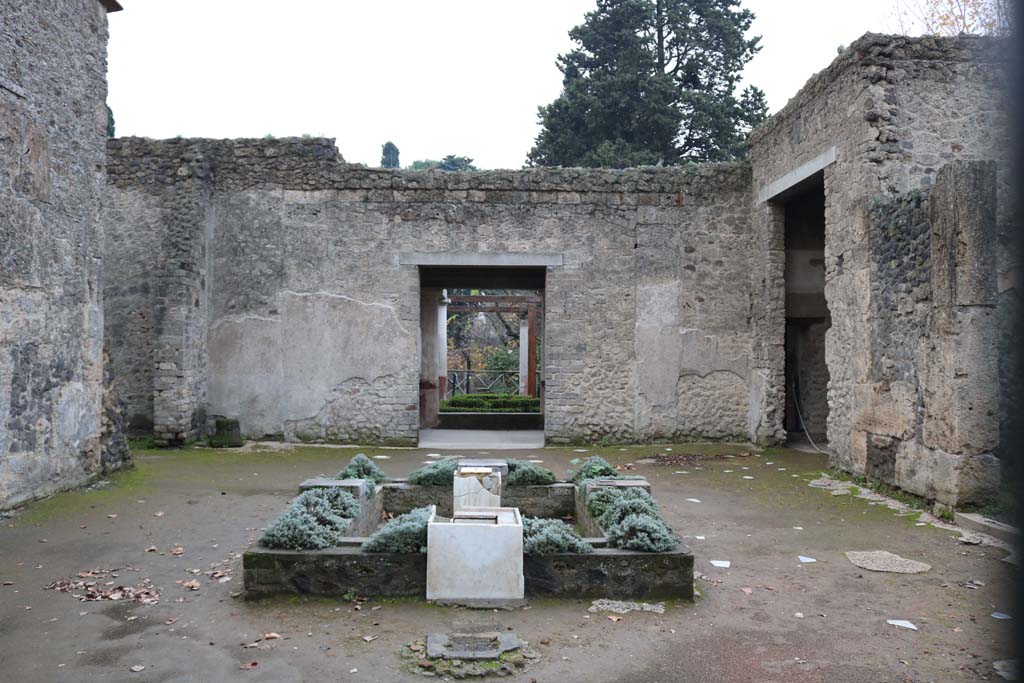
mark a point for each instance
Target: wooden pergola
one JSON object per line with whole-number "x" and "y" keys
{"x": 518, "y": 305}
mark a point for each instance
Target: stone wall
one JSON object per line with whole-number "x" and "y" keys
{"x": 313, "y": 321}
{"x": 882, "y": 120}
{"x": 52, "y": 131}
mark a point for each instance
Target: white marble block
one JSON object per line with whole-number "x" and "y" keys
{"x": 476, "y": 487}
{"x": 476, "y": 556}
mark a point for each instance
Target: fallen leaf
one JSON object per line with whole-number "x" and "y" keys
{"x": 748, "y": 591}
{"x": 178, "y": 550}
{"x": 249, "y": 666}
{"x": 158, "y": 514}
{"x": 113, "y": 515}
{"x": 137, "y": 668}
{"x": 192, "y": 585}
{"x": 250, "y": 645}
{"x": 152, "y": 549}
{"x": 369, "y": 639}
{"x": 271, "y": 636}
{"x": 613, "y": 617}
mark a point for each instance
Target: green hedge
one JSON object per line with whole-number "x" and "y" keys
{"x": 490, "y": 403}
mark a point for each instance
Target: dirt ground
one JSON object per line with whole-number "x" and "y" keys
{"x": 213, "y": 503}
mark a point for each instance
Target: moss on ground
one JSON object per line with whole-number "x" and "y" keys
{"x": 124, "y": 485}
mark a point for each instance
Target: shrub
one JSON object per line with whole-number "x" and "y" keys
{"x": 297, "y": 529}
{"x": 404, "y": 534}
{"x": 624, "y": 506}
{"x": 328, "y": 504}
{"x": 550, "y": 536}
{"x": 522, "y": 473}
{"x": 595, "y": 467}
{"x": 600, "y": 498}
{"x": 361, "y": 467}
{"x": 315, "y": 519}
{"x": 641, "y": 532}
{"x": 438, "y": 473}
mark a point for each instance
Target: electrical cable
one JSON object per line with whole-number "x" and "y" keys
{"x": 803, "y": 425}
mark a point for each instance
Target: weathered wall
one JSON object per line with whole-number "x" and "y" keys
{"x": 52, "y": 131}
{"x": 313, "y": 322}
{"x": 885, "y": 117}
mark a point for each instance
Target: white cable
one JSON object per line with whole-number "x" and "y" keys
{"x": 796, "y": 402}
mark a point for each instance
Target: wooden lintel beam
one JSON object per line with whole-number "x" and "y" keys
{"x": 514, "y": 310}
{"x": 493, "y": 299}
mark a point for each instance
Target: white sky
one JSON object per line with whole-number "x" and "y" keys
{"x": 436, "y": 77}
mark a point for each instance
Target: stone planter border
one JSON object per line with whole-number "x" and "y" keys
{"x": 605, "y": 573}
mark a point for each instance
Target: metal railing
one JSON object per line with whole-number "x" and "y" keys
{"x": 482, "y": 382}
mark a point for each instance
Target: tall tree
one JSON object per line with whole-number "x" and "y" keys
{"x": 952, "y": 17}
{"x": 456, "y": 163}
{"x": 110, "y": 121}
{"x": 652, "y": 81}
{"x": 389, "y": 155}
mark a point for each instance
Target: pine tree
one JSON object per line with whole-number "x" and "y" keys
{"x": 653, "y": 81}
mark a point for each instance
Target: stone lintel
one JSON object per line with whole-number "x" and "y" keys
{"x": 796, "y": 176}
{"x": 479, "y": 259}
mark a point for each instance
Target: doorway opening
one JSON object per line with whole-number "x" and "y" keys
{"x": 807, "y": 314}
{"x": 481, "y": 357}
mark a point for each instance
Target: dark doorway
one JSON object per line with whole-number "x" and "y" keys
{"x": 807, "y": 314}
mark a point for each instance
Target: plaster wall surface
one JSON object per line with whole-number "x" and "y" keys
{"x": 52, "y": 131}
{"x": 313, "y": 320}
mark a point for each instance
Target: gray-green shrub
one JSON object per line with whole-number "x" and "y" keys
{"x": 361, "y": 467}
{"x": 437, "y": 473}
{"x": 296, "y": 529}
{"x": 315, "y": 519}
{"x": 523, "y": 473}
{"x": 642, "y": 532}
{"x": 601, "y": 498}
{"x": 624, "y": 506}
{"x": 404, "y": 534}
{"x": 595, "y": 467}
{"x": 551, "y": 536}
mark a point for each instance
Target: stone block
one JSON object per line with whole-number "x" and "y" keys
{"x": 475, "y": 556}
{"x": 476, "y": 487}
{"x": 948, "y": 478}
{"x": 886, "y": 408}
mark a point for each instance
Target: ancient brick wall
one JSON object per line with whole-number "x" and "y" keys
{"x": 312, "y": 321}
{"x": 52, "y": 133}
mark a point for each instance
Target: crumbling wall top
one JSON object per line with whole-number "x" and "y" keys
{"x": 315, "y": 164}
{"x": 880, "y": 54}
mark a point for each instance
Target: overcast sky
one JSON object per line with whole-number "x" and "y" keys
{"x": 436, "y": 77}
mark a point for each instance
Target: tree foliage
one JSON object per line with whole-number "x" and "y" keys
{"x": 451, "y": 162}
{"x": 953, "y": 17}
{"x": 389, "y": 155}
{"x": 110, "y": 122}
{"x": 652, "y": 82}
